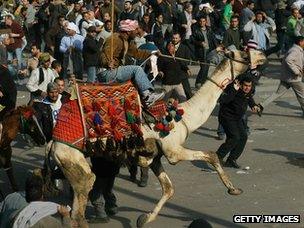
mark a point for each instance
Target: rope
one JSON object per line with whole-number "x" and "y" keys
{"x": 188, "y": 60}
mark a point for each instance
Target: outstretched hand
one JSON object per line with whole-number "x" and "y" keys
{"x": 256, "y": 109}
{"x": 236, "y": 85}
{"x": 64, "y": 211}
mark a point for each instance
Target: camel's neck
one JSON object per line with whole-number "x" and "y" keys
{"x": 200, "y": 106}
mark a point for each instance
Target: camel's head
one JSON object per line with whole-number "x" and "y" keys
{"x": 257, "y": 57}
{"x": 243, "y": 59}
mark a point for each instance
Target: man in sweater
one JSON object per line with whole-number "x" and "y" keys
{"x": 15, "y": 47}
{"x": 232, "y": 36}
{"x": 233, "y": 105}
{"x": 291, "y": 74}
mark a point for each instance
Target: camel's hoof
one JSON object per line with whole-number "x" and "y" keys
{"x": 235, "y": 191}
{"x": 142, "y": 220}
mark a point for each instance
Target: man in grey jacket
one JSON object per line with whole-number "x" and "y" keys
{"x": 292, "y": 74}
{"x": 259, "y": 26}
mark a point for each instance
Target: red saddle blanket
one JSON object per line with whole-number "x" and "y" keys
{"x": 102, "y": 111}
{"x": 69, "y": 127}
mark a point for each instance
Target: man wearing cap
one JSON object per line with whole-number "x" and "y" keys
{"x": 71, "y": 46}
{"x": 40, "y": 78}
{"x": 115, "y": 69}
{"x": 291, "y": 74}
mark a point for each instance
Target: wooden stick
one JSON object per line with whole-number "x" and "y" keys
{"x": 112, "y": 30}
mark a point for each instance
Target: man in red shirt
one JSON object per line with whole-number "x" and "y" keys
{"x": 15, "y": 47}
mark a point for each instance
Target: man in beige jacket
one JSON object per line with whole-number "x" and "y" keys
{"x": 292, "y": 74}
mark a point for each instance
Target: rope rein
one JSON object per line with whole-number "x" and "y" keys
{"x": 231, "y": 60}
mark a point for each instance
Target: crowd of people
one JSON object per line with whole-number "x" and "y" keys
{"x": 51, "y": 42}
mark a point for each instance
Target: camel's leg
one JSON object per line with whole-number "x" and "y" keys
{"x": 167, "y": 192}
{"x": 79, "y": 174}
{"x": 184, "y": 154}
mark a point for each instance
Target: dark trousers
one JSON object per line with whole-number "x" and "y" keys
{"x": 236, "y": 138}
{"x": 132, "y": 166}
{"x": 279, "y": 45}
{"x": 203, "y": 73}
{"x": 102, "y": 196}
{"x": 187, "y": 88}
{"x": 221, "y": 131}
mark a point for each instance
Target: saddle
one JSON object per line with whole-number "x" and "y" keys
{"x": 101, "y": 112}
{"x": 107, "y": 117}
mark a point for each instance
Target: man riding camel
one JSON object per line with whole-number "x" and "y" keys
{"x": 117, "y": 71}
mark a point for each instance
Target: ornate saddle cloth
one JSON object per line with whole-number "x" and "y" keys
{"x": 102, "y": 111}
{"x": 69, "y": 127}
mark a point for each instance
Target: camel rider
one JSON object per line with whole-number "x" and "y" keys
{"x": 116, "y": 71}
{"x": 48, "y": 109}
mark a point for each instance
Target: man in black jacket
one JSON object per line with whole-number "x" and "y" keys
{"x": 233, "y": 105}
{"x": 204, "y": 41}
{"x": 48, "y": 109}
{"x": 173, "y": 71}
{"x": 232, "y": 36}
{"x": 90, "y": 53}
{"x": 182, "y": 51}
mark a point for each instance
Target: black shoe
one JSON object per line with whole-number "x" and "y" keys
{"x": 232, "y": 164}
{"x": 143, "y": 183}
{"x": 220, "y": 137}
{"x": 133, "y": 178}
{"x": 99, "y": 220}
{"x": 111, "y": 211}
{"x": 261, "y": 110}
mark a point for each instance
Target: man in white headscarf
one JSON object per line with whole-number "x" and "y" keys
{"x": 71, "y": 46}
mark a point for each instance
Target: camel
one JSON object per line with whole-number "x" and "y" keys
{"x": 196, "y": 111}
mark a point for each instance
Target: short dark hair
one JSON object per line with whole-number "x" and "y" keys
{"x": 258, "y": 12}
{"x": 58, "y": 79}
{"x": 202, "y": 17}
{"x": 60, "y": 16}
{"x": 235, "y": 17}
{"x": 9, "y": 16}
{"x": 176, "y": 33}
{"x": 246, "y": 78}
{"x": 35, "y": 45}
{"x": 298, "y": 39}
{"x": 33, "y": 188}
{"x": 249, "y": 2}
{"x": 55, "y": 64}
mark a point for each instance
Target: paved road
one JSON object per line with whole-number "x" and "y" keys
{"x": 272, "y": 185}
